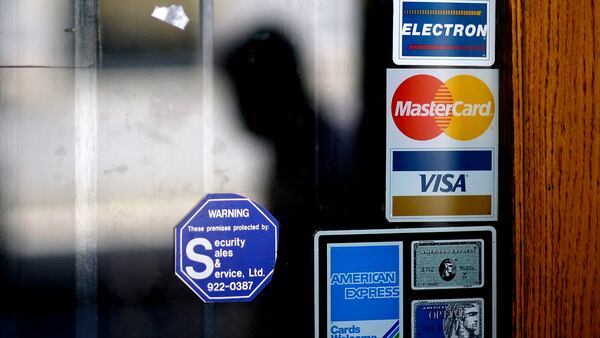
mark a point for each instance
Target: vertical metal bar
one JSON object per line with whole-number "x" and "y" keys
{"x": 316, "y": 100}
{"x": 85, "y": 202}
{"x": 86, "y": 33}
{"x": 207, "y": 34}
{"x": 9, "y": 14}
{"x": 86, "y": 242}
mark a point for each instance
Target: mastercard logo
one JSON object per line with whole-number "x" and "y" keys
{"x": 424, "y": 107}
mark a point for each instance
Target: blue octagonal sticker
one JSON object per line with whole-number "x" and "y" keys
{"x": 225, "y": 248}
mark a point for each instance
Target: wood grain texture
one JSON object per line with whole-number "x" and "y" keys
{"x": 556, "y": 208}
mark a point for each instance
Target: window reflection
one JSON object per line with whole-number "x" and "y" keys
{"x": 160, "y": 148}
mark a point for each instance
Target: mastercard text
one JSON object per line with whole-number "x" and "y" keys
{"x": 459, "y": 108}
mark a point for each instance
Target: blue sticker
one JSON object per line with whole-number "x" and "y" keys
{"x": 443, "y": 32}
{"x": 225, "y": 248}
{"x": 365, "y": 290}
{"x": 442, "y": 160}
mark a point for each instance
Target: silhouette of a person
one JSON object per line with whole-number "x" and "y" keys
{"x": 265, "y": 76}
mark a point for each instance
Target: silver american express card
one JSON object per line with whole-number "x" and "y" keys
{"x": 448, "y": 318}
{"x": 447, "y": 264}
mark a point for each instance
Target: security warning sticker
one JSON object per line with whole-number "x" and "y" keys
{"x": 442, "y": 145}
{"x": 364, "y": 296}
{"x": 226, "y": 248}
{"x": 441, "y": 32}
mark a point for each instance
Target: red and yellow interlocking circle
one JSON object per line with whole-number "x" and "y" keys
{"x": 423, "y": 107}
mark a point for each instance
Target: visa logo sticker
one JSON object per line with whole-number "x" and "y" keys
{"x": 443, "y": 183}
{"x": 451, "y": 33}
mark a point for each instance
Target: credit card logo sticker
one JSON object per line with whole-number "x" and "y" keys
{"x": 423, "y": 107}
{"x": 442, "y": 145}
{"x": 444, "y": 32}
{"x": 442, "y": 183}
{"x": 365, "y": 290}
{"x": 444, "y": 29}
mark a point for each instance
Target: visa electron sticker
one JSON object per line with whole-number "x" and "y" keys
{"x": 225, "y": 248}
{"x": 364, "y": 293}
{"x": 439, "y": 32}
{"x": 442, "y": 145}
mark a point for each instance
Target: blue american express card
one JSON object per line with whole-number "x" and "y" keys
{"x": 450, "y": 318}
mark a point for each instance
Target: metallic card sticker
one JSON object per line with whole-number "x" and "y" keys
{"x": 441, "y": 32}
{"x": 447, "y": 264}
{"x": 225, "y": 248}
{"x": 450, "y": 318}
{"x": 364, "y": 293}
{"x": 442, "y": 145}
